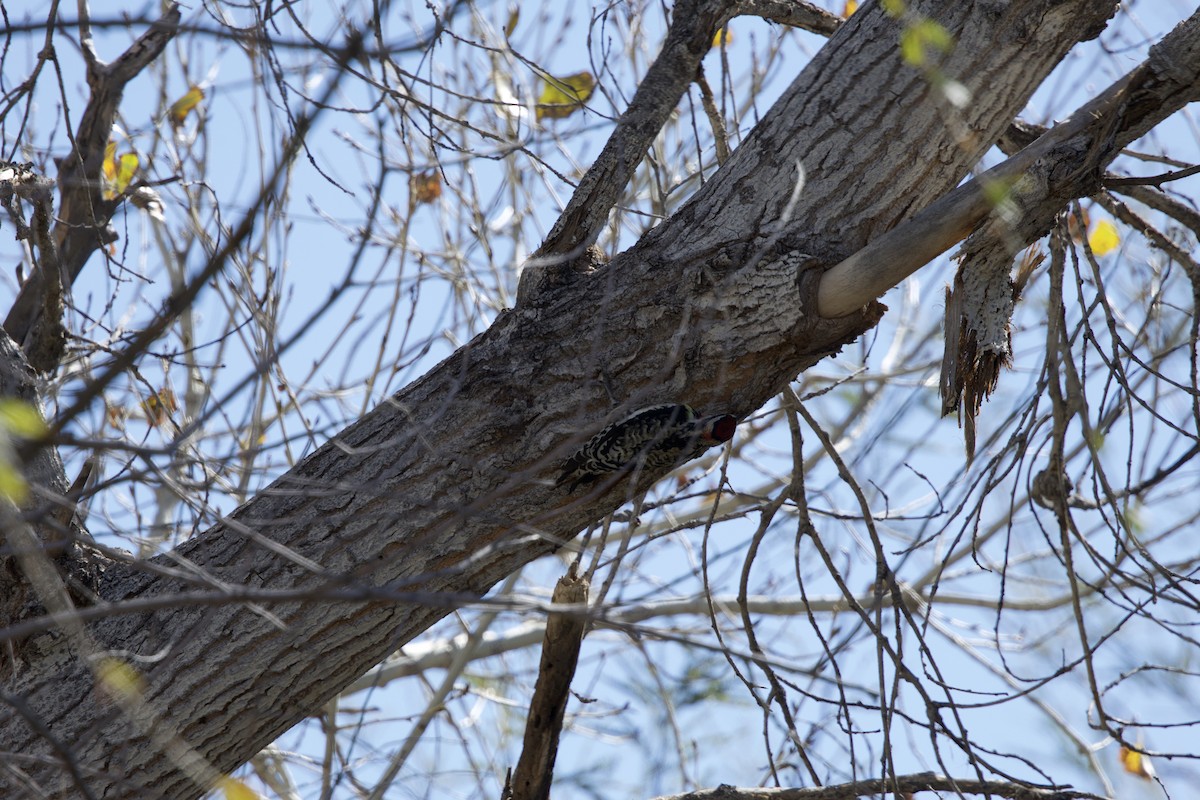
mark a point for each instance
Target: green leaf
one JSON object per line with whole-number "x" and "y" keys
{"x": 21, "y": 419}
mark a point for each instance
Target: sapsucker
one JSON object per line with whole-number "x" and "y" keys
{"x": 652, "y": 438}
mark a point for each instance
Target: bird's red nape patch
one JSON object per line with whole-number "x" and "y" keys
{"x": 723, "y": 428}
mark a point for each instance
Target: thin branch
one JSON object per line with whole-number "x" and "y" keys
{"x": 1152, "y": 180}
{"x": 794, "y": 13}
{"x": 899, "y": 785}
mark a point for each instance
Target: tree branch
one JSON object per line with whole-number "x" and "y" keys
{"x": 543, "y": 725}
{"x": 694, "y": 23}
{"x": 794, "y": 13}
{"x": 448, "y": 485}
{"x": 899, "y": 785}
{"x": 83, "y": 213}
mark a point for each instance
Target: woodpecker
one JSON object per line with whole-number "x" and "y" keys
{"x": 652, "y": 438}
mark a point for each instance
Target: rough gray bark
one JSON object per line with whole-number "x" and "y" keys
{"x": 1051, "y": 168}
{"x": 443, "y": 490}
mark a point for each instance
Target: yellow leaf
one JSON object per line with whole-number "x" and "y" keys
{"x": 116, "y": 173}
{"x": 724, "y": 37}
{"x": 21, "y": 418}
{"x": 234, "y": 789}
{"x": 895, "y": 8}
{"x": 119, "y": 679}
{"x": 910, "y": 48}
{"x": 158, "y": 405}
{"x": 425, "y": 187}
{"x": 17, "y": 419}
{"x": 1136, "y": 763}
{"x": 1104, "y": 238}
{"x": 128, "y": 166}
{"x": 109, "y": 167}
{"x": 12, "y": 483}
{"x": 998, "y": 192}
{"x": 561, "y": 97}
{"x": 514, "y": 16}
{"x": 247, "y": 443}
{"x": 850, "y": 7}
{"x": 184, "y": 105}
{"x": 116, "y": 415}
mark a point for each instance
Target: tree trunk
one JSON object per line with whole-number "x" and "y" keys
{"x": 447, "y": 487}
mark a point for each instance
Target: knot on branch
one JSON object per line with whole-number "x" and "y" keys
{"x": 546, "y": 272}
{"x": 45, "y": 343}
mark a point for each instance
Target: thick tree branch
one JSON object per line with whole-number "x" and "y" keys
{"x": 19, "y": 183}
{"x": 448, "y": 485}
